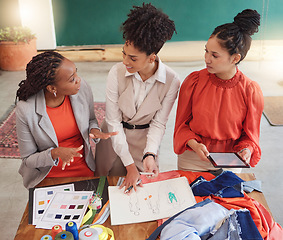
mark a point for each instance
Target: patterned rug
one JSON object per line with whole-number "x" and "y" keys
{"x": 8, "y": 136}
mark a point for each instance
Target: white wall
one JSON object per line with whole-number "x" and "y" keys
{"x": 38, "y": 16}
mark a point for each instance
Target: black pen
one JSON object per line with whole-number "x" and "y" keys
{"x": 130, "y": 188}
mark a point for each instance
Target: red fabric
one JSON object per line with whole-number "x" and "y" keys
{"x": 274, "y": 230}
{"x": 244, "y": 202}
{"x": 68, "y": 135}
{"x": 222, "y": 114}
{"x": 268, "y": 229}
{"x": 161, "y": 176}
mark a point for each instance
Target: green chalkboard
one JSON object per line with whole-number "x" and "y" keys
{"x": 91, "y": 22}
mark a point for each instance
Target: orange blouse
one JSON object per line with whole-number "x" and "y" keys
{"x": 68, "y": 135}
{"x": 224, "y": 115}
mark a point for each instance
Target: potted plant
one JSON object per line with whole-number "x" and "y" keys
{"x": 17, "y": 47}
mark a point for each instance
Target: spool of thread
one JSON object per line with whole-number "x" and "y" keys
{"x": 72, "y": 228}
{"x": 46, "y": 237}
{"x": 89, "y": 234}
{"x": 65, "y": 235}
{"x": 103, "y": 232}
{"x": 96, "y": 232}
{"x": 55, "y": 230}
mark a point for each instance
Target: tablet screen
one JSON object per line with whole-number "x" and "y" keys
{"x": 229, "y": 160}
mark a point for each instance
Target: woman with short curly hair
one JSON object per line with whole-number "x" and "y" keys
{"x": 139, "y": 97}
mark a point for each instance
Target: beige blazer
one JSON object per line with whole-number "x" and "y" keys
{"x": 36, "y": 135}
{"x": 136, "y": 138}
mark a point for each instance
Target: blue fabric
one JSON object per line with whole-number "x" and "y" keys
{"x": 251, "y": 186}
{"x": 195, "y": 222}
{"x": 198, "y": 222}
{"x": 157, "y": 231}
{"x": 229, "y": 230}
{"x": 224, "y": 185}
{"x": 239, "y": 225}
{"x": 249, "y": 230}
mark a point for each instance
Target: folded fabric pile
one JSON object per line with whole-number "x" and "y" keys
{"x": 223, "y": 211}
{"x": 209, "y": 220}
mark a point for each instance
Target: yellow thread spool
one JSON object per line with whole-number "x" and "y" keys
{"x": 96, "y": 232}
{"x": 104, "y": 232}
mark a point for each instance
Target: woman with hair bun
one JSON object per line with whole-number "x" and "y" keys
{"x": 219, "y": 108}
{"x": 140, "y": 94}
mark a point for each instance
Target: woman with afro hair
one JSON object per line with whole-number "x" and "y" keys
{"x": 140, "y": 94}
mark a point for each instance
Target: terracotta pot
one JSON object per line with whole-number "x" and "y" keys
{"x": 15, "y": 57}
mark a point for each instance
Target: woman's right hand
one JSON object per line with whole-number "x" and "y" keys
{"x": 131, "y": 178}
{"x": 199, "y": 148}
{"x": 66, "y": 154}
{"x": 96, "y": 133}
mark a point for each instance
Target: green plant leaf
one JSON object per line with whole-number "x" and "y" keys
{"x": 16, "y": 34}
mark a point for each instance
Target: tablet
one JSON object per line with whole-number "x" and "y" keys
{"x": 227, "y": 160}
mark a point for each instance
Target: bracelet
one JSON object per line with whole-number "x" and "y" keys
{"x": 244, "y": 150}
{"x": 148, "y": 154}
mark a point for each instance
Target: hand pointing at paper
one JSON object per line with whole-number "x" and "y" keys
{"x": 131, "y": 179}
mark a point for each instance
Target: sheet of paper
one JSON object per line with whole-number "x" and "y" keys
{"x": 151, "y": 202}
{"x": 42, "y": 196}
{"x": 65, "y": 207}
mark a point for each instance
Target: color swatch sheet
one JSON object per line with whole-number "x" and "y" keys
{"x": 42, "y": 197}
{"x": 84, "y": 185}
{"x": 65, "y": 207}
{"x": 151, "y": 202}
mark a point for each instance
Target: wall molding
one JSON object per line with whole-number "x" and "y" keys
{"x": 171, "y": 52}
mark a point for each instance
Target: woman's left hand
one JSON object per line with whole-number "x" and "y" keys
{"x": 96, "y": 133}
{"x": 245, "y": 154}
{"x": 150, "y": 166}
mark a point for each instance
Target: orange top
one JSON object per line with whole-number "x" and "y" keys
{"x": 68, "y": 135}
{"x": 224, "y": 115}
